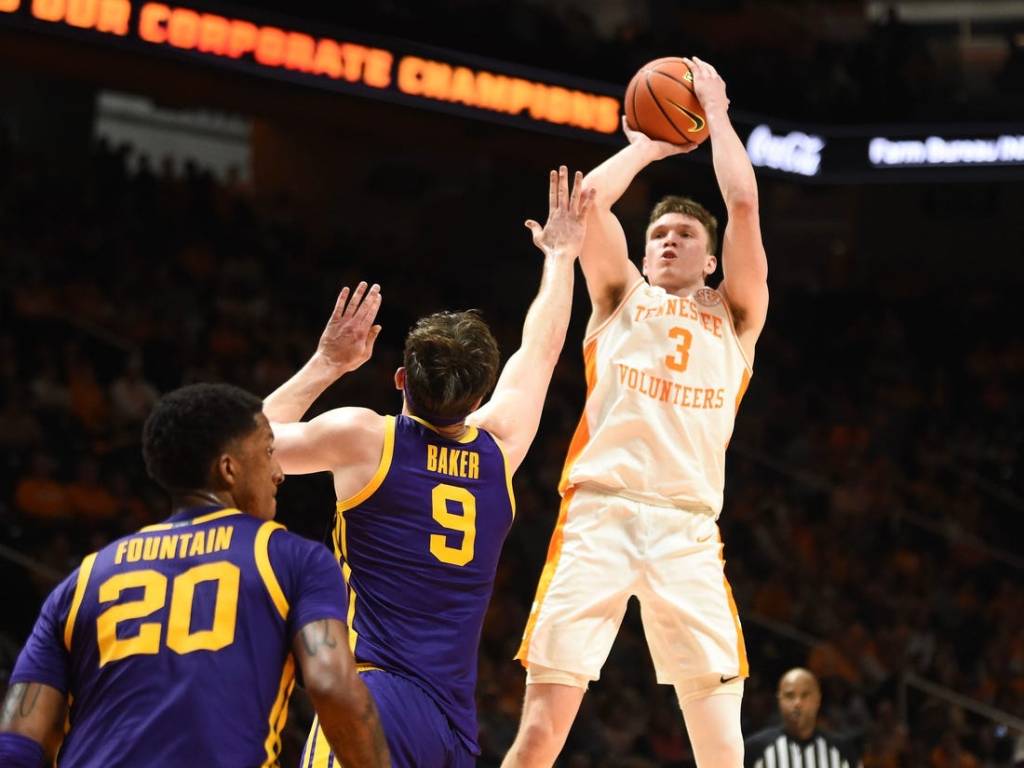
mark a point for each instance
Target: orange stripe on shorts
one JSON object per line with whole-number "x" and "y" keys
{"x": 741, "y": 646}
{"x": 550, "y": 565}
{"x": 582, "y": 434}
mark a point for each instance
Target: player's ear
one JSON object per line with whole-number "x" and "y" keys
{"x": 400, "y": 378}
{"x": 225, "y": 471}
{"x": 710, "y": 265}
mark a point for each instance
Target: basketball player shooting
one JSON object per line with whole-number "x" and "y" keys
{"x": 667, "y": 362}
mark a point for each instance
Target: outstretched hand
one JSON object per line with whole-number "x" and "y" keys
{"x": 347, "y": 341}
{"x": 566, "y": 226}
{"x": 662, "y": 149}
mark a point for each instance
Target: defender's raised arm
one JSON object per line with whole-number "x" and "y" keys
{"x": 513, "y": 413}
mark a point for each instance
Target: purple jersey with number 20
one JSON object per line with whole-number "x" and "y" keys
{"x": 174, "y": 643}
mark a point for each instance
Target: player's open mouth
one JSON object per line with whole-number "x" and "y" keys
{"x": 668, "y": 254}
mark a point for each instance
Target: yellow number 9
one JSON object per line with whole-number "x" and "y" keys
{"x": 464, "y": 524}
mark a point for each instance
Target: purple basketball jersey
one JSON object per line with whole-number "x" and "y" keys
{"x": 174, "y": 643}
{"x": 420, "y": 547}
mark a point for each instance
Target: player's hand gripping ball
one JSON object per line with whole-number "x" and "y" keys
{"x": 662, "y": 104}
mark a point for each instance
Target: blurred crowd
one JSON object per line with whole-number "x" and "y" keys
{"x": 870, "y": 482}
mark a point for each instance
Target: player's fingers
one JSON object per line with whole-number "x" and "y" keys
{"x": 577, "y": 190}
{"x": 339, "y": 305}
{"x": 371, "y": 337}
{"x": 706, "y": 68}
{"x": 357, "y": 297}
{"x": 368, "y": 309}
{"x": 700, "y": 69}
{"x": 553, "y": 191}
{"x": 534, "y": 228}
{"x": 626, "y": 129}
{"x": 692, "y": 64}
{"x": 563, "y": 187}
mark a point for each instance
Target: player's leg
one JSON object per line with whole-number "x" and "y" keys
{"x": 694, "y": 633}
{"x": 591, "y": 569}
{"x": 548, "y": 713}
{"x": 712, "y": 720}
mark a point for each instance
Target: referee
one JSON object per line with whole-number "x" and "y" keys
{"x": 798, "y": 743}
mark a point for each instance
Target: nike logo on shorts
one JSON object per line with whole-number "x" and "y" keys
{"x": 723, "y": 679}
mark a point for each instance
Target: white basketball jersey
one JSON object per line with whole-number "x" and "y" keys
{"x": 665, "y": 376}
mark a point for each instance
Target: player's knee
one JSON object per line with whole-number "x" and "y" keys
{"x": 701, "y": 689}
{"x": 712, "y": 713}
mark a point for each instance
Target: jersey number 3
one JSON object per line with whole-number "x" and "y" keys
{"x": 464, "y": 524}
{"x": 681, "y": 358}
{"x": 180, "y": 637}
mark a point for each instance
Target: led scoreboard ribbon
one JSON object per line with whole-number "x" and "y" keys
{"x": 398, "y": 71}
{"x": 471, "y": 86}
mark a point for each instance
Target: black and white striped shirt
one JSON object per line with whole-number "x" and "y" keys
{"x": 772, "y": 748}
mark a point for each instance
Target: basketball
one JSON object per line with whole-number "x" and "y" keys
{"x": 661, "y": 103}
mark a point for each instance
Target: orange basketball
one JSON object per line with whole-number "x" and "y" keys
{"x": 660, "y": 102}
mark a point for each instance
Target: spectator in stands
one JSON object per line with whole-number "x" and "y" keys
{"x": 950, "y": 753}
{"x": 39, "y": 495}
{"x": 88, "y": 498}
{"x": 131, "y": 395}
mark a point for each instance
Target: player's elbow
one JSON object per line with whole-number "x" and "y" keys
{"x": 742, "y": 202}
{"x": 339, "y": 698}
{"x": 602, "y": 198}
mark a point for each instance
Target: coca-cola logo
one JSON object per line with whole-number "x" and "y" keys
{"x": 793, "y": 152}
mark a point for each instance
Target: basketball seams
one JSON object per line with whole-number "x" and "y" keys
{"x": 675, "y": 79}
{"x": 657, "y": 102}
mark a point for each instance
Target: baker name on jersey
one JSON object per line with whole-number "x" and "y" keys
{"x": 680, "y": 307}
{"x": 453, "y": 461}
{"x": 170, "y": 546}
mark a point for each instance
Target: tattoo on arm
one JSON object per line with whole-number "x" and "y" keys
{"x": 317, "y": 635}
{"x": 37, "y": 711}
{"x": 20, "y": 702}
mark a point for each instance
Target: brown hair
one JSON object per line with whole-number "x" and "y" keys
{"x": 684, "y": 205}
{"x": 451, "y": 361}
